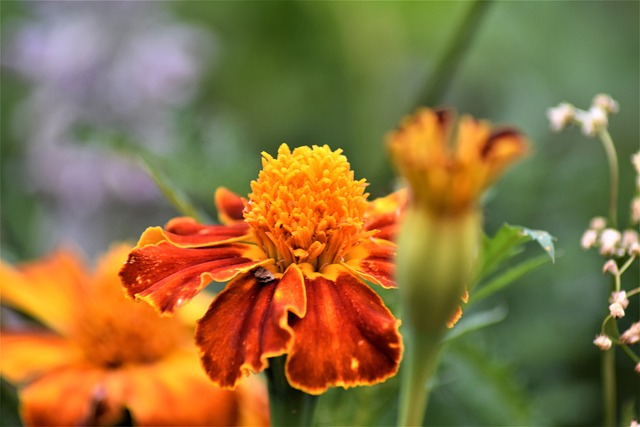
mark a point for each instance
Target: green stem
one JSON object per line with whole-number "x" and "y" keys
{"x": 288, "y": 406}
{"x": 609, "y": 375}
{"x": 609, "y": 385}
{"x": 420, "y": 361}
{"x": 446, "y": 68}
{"x": 612, "y": 158}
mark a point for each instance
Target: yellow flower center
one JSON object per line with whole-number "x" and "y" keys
{"x": 306, "y": 206}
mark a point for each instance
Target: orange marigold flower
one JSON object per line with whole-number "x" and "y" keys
{"x": 296, "y": 253}
{"x": 445, "y": 175}
{"x": 103, "y": 358}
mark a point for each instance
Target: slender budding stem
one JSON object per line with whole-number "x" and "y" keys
{"x": 612, "y": 159}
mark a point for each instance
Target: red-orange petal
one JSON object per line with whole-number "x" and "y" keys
{"x": 167, "y": 276}
{"x": 247, "y": 323}
{"x": 68, "y": 397}
{"x": 373, "y": 260}
{"x": 230, "y": 206}
{"x": 383, "y": 214}
{"x": 188, "y": 233}
{"x": 347, "y": 337}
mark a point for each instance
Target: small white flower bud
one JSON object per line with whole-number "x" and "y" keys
{"x": 620, "y": 298}
{"x": 602, "y": 342}
{"x": 610, "y": 267}
{"x": 634, "y": 249}
{"x": 593, "y": 121}
{"x": 598, "y": 223}
{"x": 606, "y": 103}
{"x": 631, "y": 335}
{"x": 589, "y": 238}
{"x": 635, "y": 160}
{"x": 608, "y": 241}
{"x": 635, "y": 210}
{"x": 634, "y": 423}
{"x": 629, "y": 237}
{"x": 560, "y": 116}
{"x": 617, "y": 310}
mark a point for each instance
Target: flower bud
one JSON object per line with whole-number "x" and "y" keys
{"x": 631, "y": 335}
{"x": 602, "y": 342}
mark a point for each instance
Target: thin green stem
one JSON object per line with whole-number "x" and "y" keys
{"x": 626, "y": 265}
{"x": 446, "y": 68}
{"x": 419, "y": 363}
{"x": 609, "y": 374}
{"x": 288, "y": 406}
{"x": 609, "y": 385}
{"x": 612, "y": 159}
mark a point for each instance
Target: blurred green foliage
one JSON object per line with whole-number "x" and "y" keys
{"x": 344, "y": 74}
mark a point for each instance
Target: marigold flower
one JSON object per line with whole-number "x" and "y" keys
{"x": 296, "y": 256}
{"x": 445, "y": 184}
{"x": 104, "y": 355}
{"x": 440, "y": 235}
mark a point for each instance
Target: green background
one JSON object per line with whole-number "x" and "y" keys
{"x": 344, "y": 74}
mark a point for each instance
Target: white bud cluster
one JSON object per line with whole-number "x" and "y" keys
{"x": 591, "y": 121}
{"x": 611, "y": 242}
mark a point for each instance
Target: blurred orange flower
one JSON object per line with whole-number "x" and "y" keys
{"x": 105, "y": 359}
{"x": 296, "y": 254}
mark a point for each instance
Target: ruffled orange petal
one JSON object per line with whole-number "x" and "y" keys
{"x": 48, "y": 289}
{"x": 347, "y": 337}
{"x": 230, "y": 206}
{"x": 186, "y": 232}
{"x": 174, "y": 391}
{"x": 383, "y": 214}
{"x": 167, "y": 276}
{"x": 27, "y": 355}
{"x": 373, "y": 260}
{"x": 69, "y": 397}
{"x": 248, "y": 323}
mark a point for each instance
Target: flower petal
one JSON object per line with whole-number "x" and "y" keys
{"x": 68, "y": 397}
{"x": 383, "y": 214}
{"x": 48, "y": 289}
{"x": 373, "y": 260}
{"x": 167, "y": 276}
{"x": 347, "y": 337}
{"x": 186, "y": 232}
{"x": 248, "y": 323}
{"x": 230, "y": 206}
{"x": 174, "y": 391}
{"x": 26, "y": 355}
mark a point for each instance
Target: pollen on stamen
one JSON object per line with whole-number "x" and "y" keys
{"x": 306, "y": 206}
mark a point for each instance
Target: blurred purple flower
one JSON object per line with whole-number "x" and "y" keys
{"x": 125, "y": 66}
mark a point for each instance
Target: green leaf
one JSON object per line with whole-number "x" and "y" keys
{"x": 9, "y": 407}
{"x": 507, "y": 243}
{"x": 543, "y": 238}
{"x": 506, "y": 278}
{"x": 475, "y": 321}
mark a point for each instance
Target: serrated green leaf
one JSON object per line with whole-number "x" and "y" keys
{"x": 508, "y": 242}
{"x": 544, "y": 239}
